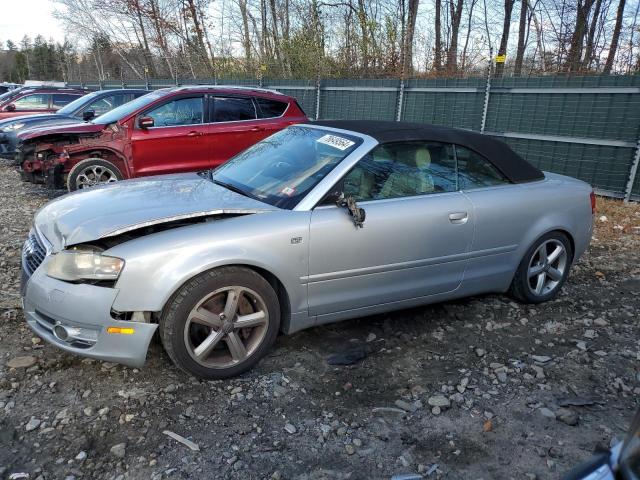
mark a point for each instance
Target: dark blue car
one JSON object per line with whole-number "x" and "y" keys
{"x": 84, "y": 108}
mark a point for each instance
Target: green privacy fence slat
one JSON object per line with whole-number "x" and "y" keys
{"x": 458, "y": 102}
{"x": 603, "y": 167}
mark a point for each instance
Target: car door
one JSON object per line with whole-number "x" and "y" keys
{"x": 235, "y": 126}
{"x": 177, "y": 142}
{"x": 503, "y": 216}
{"x": 415, "y": 238}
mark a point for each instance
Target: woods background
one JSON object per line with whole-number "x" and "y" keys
{"x": 113, "y": 39}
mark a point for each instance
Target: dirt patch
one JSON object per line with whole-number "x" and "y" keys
{"x": 503, "y": 368}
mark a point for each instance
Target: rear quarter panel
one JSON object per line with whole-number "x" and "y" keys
{"x": 513, "y": 217}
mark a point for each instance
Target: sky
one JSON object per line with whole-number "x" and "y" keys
{"x": 28, "y": 17}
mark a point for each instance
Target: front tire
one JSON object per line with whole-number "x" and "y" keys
{"x": 90, "y": 172}
{"x": 543, "y": 270}
{"x": 221, "y": 323}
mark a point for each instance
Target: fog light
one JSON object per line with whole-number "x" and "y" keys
{"x": 60, "y": 332}
{"x": 121, "y": 330}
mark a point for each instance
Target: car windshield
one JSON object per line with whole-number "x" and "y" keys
{"x": 128, "y": 108}
{"x": 283, "y": 168}
{"x": 71, "y": 108}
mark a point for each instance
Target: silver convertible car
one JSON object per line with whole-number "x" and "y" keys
{"x": 318, "y": 223}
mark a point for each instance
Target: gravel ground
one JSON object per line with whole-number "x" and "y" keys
{"x": 478, "y": 388}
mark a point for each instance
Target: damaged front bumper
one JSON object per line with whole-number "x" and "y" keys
{"x": 75, "y": 318}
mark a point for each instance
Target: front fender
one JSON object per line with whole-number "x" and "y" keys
{"x": 156, "y": 266}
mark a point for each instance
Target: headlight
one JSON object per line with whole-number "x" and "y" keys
{"x": 13, "y": 126}
{"x": 84, "y": 265}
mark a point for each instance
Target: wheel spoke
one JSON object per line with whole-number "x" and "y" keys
{"x": 542, "y": 251}
{"x": 236, "y": 347}
{"x": 209, "y": 343}
{"x": 555, "y": 255}
{"x": 540, "y": 282}
{"x": 252, "y": 320}
{"x": 203, "y": 316}
{"x": 554, "y": 273}
{"x": 231, "y": 307}
{"x": 535, "y": 270}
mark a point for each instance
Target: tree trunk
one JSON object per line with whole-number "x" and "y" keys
{"x": 615, "y": 38}
{"x": 246, "y": 35}
{"x": 407, "y": 51}
{"x": 452, "y": 53}
{"x": 466, "y": 40}
{"x": 506, "y": 27}
{"x": 522, "y": 27}
{"x": 590, "y": 47}
{"x": 437, "y": 57}
{"x": 362, "y": 20}
{"x": 573, "y": 62}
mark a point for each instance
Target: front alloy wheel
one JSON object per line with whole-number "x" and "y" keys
{"x": 221, "y": 323}
{"x": 226, "y": 327}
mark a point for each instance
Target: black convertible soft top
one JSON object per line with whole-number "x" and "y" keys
{"x": 512, "y": 165}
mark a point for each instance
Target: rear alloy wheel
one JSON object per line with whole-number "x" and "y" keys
{"x": 221, "y": 323}
{"x": 543, "y": 270}
{"x": 91, "y": 172}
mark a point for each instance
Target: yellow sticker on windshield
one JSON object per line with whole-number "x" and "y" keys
{"x": 335, "y": 141}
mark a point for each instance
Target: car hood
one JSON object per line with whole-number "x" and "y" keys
{"x": 31, "y": 118}
{"x": 111, "y": 210}
{"x": 79, "y": 127}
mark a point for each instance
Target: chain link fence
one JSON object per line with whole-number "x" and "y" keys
{"x": 585, "y": 127}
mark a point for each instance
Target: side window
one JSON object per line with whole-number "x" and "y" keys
{"x": 403, "y": 170}
{"x": 61, "y": 99}
{"x": 183, "y": 111}
{"x": 102, "y": 105}
{"x": 271, "y": 108}
{"x": 36, "y": 101}
{"x": 475, "y": 171}
{"x": 233, "y": 109}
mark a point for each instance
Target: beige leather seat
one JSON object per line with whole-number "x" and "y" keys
{"x": 413, "y": 178}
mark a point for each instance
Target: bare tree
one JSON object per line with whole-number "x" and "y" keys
{"x": 506, "y": 26}
{"x": 523, "y": 26}
{"x": 615, "y": 38}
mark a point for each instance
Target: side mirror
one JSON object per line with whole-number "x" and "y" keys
{"x": 357, "y": 213}
{"x": 10, "y": 108}
{"x": 88, "y": 115}
{"x": 145, "y": 122}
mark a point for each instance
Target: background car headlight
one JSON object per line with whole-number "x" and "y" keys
{"x": 84, "y": 265}
{"x": 13, "y": 126}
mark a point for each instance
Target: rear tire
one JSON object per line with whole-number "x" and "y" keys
{"x": 543, "y": 270}
{"x": 91, "y": 172}
{"x": 221, "y": 323}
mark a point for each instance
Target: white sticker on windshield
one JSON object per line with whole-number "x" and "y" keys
{"x": 340, "y": 143}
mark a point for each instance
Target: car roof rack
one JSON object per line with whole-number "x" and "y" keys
{"x": 234, "y": 87}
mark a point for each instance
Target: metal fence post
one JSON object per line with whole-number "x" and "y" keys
{"x": 318, "y": 99}
{"x": 487, "y": 92}
{"x": 400, "y": 101}
{"x": 632, "y": 174}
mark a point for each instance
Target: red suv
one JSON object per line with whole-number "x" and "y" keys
{"x": 166, "y": 131}
{"x": 32, "y": 100}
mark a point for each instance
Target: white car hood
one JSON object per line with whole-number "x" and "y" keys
{"x": 110, "y": 210}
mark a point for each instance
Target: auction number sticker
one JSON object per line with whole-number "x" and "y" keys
{"x": 340, "y": 143}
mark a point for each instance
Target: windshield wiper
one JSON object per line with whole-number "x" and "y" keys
{"x": 235, "y": 189}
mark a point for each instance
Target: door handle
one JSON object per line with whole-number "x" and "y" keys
{"x": 458, "y": 217}
{"x": 256, "y": 129}
{"x": 194, "y": 134}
